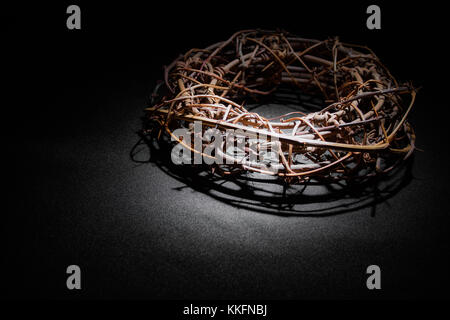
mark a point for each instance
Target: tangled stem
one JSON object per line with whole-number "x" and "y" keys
{"x": 361, "y": 131}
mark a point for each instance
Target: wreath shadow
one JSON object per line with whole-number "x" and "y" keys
{"x": 272, "y": 196}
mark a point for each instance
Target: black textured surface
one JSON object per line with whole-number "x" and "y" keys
{"x": 146, "y": 230}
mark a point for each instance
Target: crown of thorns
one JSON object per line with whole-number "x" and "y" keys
{"x": 361, "y": 131}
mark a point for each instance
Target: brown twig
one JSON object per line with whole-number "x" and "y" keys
{"x": 365, "y": 117}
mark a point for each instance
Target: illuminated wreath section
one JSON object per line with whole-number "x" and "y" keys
{"x": 362, "y": 129}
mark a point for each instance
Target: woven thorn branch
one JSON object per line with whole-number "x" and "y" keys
{"x": 361, "y": 131}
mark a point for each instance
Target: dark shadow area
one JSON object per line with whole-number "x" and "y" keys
{"x": 272, "y": 195}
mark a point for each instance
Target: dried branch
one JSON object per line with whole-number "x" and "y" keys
{"x": 362, "y": 131}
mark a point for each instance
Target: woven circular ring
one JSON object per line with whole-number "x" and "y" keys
{"x": 361, "y": 129}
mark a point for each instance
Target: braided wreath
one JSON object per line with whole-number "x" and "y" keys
{"x": 361, "y": 131}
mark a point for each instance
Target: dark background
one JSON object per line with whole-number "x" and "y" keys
{"x": 71, "y": 107}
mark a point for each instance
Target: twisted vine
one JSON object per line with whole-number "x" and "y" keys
{"x": 361, "y": 131}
